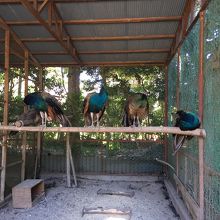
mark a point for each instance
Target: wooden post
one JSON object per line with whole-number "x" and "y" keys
{"x": 72, "y": 166}
{"x": 5, "y": 116}
{"x": 201, "y": 110}
{"x": 24, "y": 137}
{"x": 201, "y": 178}
{"x": 166, "y": 119}
{"x": 38, "y": 156}
{"x": 178, "y": 103}
{"x": 68, "y": 160}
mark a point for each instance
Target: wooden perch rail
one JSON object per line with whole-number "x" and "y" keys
{"x": 150, "y": 129}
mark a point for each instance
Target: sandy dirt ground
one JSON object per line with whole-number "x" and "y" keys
{"x": 150, "y": 200}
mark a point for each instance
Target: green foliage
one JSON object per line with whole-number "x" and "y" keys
{"x": 73, "y": 108}
{"x": 119, "y": 80}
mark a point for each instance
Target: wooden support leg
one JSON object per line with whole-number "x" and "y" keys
{"x": 201, "y": 178}
{"x": 38, "y": 155}
{"x": 24, "y": 142}
{"x": 68, "y": 160}
{"x": 3, "y": 167}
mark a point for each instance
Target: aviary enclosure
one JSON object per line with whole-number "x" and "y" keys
{"x": 178, "y": 39}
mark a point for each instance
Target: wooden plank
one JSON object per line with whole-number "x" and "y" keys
{"x": 27, "y": 192}
{"x": 29, "y": 183}
{"x": 117, "y": 193}
{"x": 177, "y": 202}
{"x": 190, "y": 202}
{"x": 100, "y": 21}
{"x": 160, "y": 63}
{"x": 109, "y": 38}
{"x": 101, "y": 210}
{"x": 150, "y": 129}
{"x": 103, "y": 52}
{"x": 116, "y": 63}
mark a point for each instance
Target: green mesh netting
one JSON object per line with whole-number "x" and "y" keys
{"x": 172, "y": 85}
{"x": 131, "y": 154}
{"x": 212, "y": 110}
{"x": 188, "y": 157}
{"x": 14, "y": 155}
{"x": 188, "y": 101}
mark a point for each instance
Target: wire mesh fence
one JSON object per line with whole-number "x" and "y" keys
{"x": 187, "y": 159}
{"x": 211, "y": 111}
{"x": 108, "y": 156}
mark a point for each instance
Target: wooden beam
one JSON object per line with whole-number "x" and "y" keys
{"x": 69, "y": 43}
{"x": 178, "y": 40}
{"x": 56, "y": 36}
{"x": 150, "y": 129}
{"x": 43, "y": 5}
{"x": 5, "y": 114}
{"x": 182, "y": 28}
{"x": 103, "y": 21}
{"x": 24, "y": 136}
{"x": 201, "y": 111}
{"x": 116, "y": 63}
{"x": 17, "y": 39}
{"x": 189, "y": 201}
{"x": 125, "y": 51}
{"x": 103, "y": 52}
{"x": 177, "y": 201}
{"x": 56, "y": 1}
{"x": 165, "y": 150}
{"x": 111, "y": 38}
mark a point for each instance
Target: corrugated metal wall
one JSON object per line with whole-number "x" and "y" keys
{"x": 101, "y": 158}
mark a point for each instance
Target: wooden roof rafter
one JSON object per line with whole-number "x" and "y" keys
{"x": 183, "y": 29}
{"x": 105, "y": 21}
{"x": 5, "y": 26}
{"x": 105, "y": 52}
{"x": 110, "y": 38}
{"x": 58, "y": 37}
{"x": 58, "y": 16}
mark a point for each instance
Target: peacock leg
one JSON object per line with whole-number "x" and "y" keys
{"x": 43, "y": 118}
{"x": 97, "y": 119}
{"x": 138, "y": 122}
{"x": 133, "y": 124}
{"x": 92, "y": 119}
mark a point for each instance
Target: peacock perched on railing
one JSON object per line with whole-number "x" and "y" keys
{"x": 94, "y": 105}
{"x": 43, "y": 107}
{"x": 136, "y": 108}
{"x": 186, "y": 121}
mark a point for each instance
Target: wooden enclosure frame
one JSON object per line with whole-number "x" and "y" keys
{"x": 66, "y": 43}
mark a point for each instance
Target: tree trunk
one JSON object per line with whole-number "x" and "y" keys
{"x": 19, "y": 85}
{"x": 73, "y": 108}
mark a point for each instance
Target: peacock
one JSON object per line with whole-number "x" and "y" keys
{"x": 94, "y": 105}
{"x": 135, "y": 110}
{"x": 185, "y": 121}
{"x": 47, "y": 107}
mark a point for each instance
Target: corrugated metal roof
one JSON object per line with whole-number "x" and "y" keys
{"x": 44, "y": 43}
{"x": 121, "y": 9}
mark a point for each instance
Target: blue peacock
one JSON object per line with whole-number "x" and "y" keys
{"x": 186, "y": 121}
{"x": 47, "y": 107}
{"x": 94, "y": 105}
